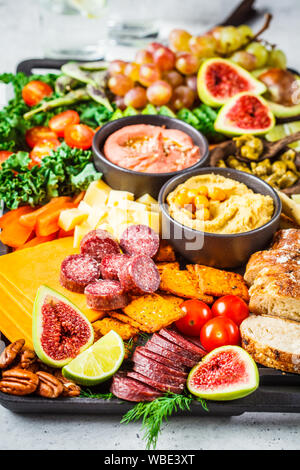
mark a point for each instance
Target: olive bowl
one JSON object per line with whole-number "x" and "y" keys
{"x": 137, "y": 182}
{"x": 225, "y": 251}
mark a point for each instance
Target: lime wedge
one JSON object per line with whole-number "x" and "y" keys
{"x": 97, "y": 363}
{"x": 296, "y": 198}
{"x": 282, "y": 130}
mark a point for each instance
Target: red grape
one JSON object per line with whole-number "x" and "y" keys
{"x": 187, "y": 63}
{"x": 191, "y": 81}
{"x": 179, "y": 40}
{"x": 116, "y": 67}
{"x": 119, "y": 100}
{"x": 120, "y": 84}
{"x": 159, "y": 93}
{"x": 132, "y": 71}
{"x": 183, "y": 97}
{"x": 143, "y": 57}
{"x": 174, "y": 78}
{"x": 164, "y": 58}
{"x": 148, "y": 74}
{"x": 153, "y": 46}
{"x": 136, "y": 97}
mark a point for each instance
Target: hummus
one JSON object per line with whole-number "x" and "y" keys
{"x": 231, "y": 207}
{"x": 151, "y": 149}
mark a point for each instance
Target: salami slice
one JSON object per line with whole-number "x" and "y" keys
{"x": 161, "y": 359}
{"x": 140, "y": 240}
{"x": 168, "y": 346}
{"x": 139, "y": 275}
{"x": 142, "y": 358}
{"x": 165, "y": 343}
{"x": 167, "y": 379}
{"x": 179, "y": 361}
{"x": 111, "y": 265}
{"x": 154, "y": 383}
{"x": 77, "y": 271}
{"x": 129, "y": 389}
{"x": 99, "y": 243}
{"x": 178, "y": 339}
{"x": 105, "y": 295}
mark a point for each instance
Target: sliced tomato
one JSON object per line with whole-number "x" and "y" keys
{"x": 79, "y": 136}
{"x": 35, "y": 91}
{"x": 59, "y": 122}
{"x": 197, "y": 313}
{"x": 219, "y": 331}
{"x": 41, "y": 150}
{"x": 4, "y": 154}
{"x": 39, "y": 134}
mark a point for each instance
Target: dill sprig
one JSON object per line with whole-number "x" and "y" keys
{"x": 87, "y": 393}
{"x": 154, "y": 413}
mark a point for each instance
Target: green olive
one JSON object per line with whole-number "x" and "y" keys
{"x": 232, "y": 162}
{"x": 279, "y": 167}
{"x": 287, "y": 180}
{"x": 251, "y": 147}
{"x": 289, "y": 155}
{"x": 221, "y": 164}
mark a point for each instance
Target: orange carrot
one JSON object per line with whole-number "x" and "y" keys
{"x": 77, "y": 199}
{"x": 15, "y": 234}
{"x": 62, "y": 233}
{"x": 37, "y": 241}
{"x": 14, "y": 215}
{"x": 29, "y": 220}
{"x": 47, "y": 223}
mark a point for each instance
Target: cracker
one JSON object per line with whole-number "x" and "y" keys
{"x": 165, "y": 253}
{"x": 125, "y": 319}
{"x": 216, "y": 282}
{"x": 153, "y": 312}
{"x": 180, "y": 283}
{"x": 173, "y": 298}
{"x": 104, "y": 326}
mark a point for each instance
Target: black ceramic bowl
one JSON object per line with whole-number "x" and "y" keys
{"x": 134, "y": 181}
{"x": 218, "y": 250}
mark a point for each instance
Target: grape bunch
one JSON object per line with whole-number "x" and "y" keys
{"x": 162, "y": 75}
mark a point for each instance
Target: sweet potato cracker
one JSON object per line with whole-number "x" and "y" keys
{"x": 165, "y": 253}
{"x": 104, "y": 326}
{"x": 153, "y": 312}
{"x": 125, "y": 319}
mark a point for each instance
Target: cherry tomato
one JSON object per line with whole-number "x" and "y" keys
{"x": 59, "y": 122}
{"x": 232, "y": 307}
{"x": 219, "y": 331}
{"x": 39, "y": 134}
{"x": 197, "y": 314}
{"x": 35, "y": 91}
{"x": 4, "y": 154}
{"x": 42, "y": 149}
{"x": 79, "y": 136}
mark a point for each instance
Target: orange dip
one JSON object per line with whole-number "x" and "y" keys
{"x": 151, "y": 149}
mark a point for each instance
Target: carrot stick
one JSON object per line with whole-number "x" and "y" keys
{"x": 47, "y": 223}
{"x": 37, "y": 241}
{"x": 29, "y": 220}
{"x": 15, "y": 234}
{"x": 77, "y": 199}
{"x": 14, "y": 215}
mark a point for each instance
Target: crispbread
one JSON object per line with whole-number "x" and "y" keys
{"x": 173, "y": 298}
{"x": 125, "y": 319}
{"x": 217, "y": 283}
{"x": 104, "y": 326}
{"x": 165, "y": 253}
{"x": 153, "y": 312}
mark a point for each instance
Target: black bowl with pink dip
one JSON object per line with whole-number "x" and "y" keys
{"x": 142, "y": 182}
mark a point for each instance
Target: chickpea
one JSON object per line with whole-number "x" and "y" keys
{"x": 185, "y": 197}
{"x": 217, "y": 194}
{"x": 201, "y": 201}
{"x": 202, "y": 214}
{"x": 203, "y": 190}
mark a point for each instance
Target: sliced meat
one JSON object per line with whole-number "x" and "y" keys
{"x": 181, "y": 341}
{"x": 106, "y": 295}
{"x": 111, "y": 264}
{"x": 154, "y": 383}
{"x": 143, "y": 359}
{"x": 158, "y": 375}
{"x": 77, "y": 271}
{"x": 176, "y": 358}
{"x": 140, "y": 240}
{"x": 129, "y": 389}
{"x": 161, "y": 359}
{"x": 165, "y": 343}
{"x": 99, "y": 243}
{"x": 139, "y": 275}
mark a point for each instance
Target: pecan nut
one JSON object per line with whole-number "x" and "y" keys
{"x": 28, "y": 358}
{"x": 70, "y": 389}
{"x": 49, "y": 386}
{"x": 10, "y": 353}
{"x": 18, "y": 382}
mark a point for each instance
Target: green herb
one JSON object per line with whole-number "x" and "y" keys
{"x": 65, "y": 172}
{"x": 87, "y": 393}
{"x": 154, "y": 413}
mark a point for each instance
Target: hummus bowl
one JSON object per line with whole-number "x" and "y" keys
{"x": 221, "y": 250}
{"x": 142, "y": 182}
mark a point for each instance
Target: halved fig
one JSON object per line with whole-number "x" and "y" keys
{"x": 59, "y": 330}
{"x": 245, "y": 113}
{"x": 226, "y": 373}
{"x": 221, "y": 79}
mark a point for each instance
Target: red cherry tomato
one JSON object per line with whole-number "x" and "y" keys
{"x": 35, "y": 91}
{"x": 232, "y": 307}
{"x": 219, "y": 331}
{"x": 42, "y": 149}
{"x": 59, "y": 122}
{"x": 39, "y": 134}
{"x": 79, "y": 136}
{"x": 4, "y": 154}
{"x": 197, "y": 314}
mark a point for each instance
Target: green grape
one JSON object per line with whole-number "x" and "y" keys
{"x": 260, "y": 52}
{"x": 229, "y": 40}
{"x": 277, "y": 59}
{"x": 245, "y": 59}
{"x": 202, "y": 46}
{"x": 245, "y": 32}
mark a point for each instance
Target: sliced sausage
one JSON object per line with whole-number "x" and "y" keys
{"x": 156, "y": 375}
{"x": 111, "y": 264}
{"x": 177, "y": 338}
{"x": 139, "y": 275}
{"x": 106, "y": 295}
{"x": 179, "y": 361}
{"x": 165, "y": 344}
{"x": 140, "y": 240}
{"x": 143, "y": 359}
{"x": 99, "y": 243}
{"x": 161, "y": 359}
{"x": 77, "y": 271}
{"x": 154, "y": 383}
{"x": 129, "y": 389}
